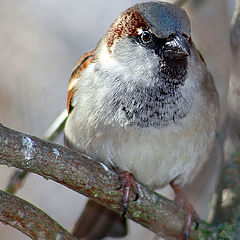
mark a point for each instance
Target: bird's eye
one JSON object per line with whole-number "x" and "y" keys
{"x": 146, "y": 37}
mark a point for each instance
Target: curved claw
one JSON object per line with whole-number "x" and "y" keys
{"x": 137, "y": 197}
{"x": 191, "y": 214}
{"x": 187, "y": 225}
{"x": 128, "y": 184}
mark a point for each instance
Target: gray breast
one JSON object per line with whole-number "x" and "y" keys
{"x": 152, "y": 106}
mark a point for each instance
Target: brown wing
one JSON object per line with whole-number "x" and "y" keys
{"x": 81, "y": 64}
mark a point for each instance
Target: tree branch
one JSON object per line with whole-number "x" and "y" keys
{"x": 57, "y": 126}
{"x": 94, "y": 180}
{"x": 30, "y": 220}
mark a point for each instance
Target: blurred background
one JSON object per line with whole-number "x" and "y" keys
{"x": 40, "y": 41}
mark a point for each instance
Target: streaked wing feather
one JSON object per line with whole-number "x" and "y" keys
{"x": 81, "y": 64}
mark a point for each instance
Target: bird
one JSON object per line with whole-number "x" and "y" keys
{"x": 143, "y": 103}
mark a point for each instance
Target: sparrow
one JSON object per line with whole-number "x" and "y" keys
{"x": 143, "y": 103}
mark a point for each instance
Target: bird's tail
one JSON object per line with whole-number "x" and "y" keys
{"x": 97, "y": 222}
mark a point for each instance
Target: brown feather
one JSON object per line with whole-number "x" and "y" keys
{"x": 80, "y": 65}
{"x": 69, "y": 99}
{"x": 128, "y": 25}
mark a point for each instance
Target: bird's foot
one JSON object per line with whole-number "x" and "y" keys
{"x": 191, "y": 214}
{"x": 128, "y": 184}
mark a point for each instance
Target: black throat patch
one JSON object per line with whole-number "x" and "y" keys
{"x": 161, "y": 103}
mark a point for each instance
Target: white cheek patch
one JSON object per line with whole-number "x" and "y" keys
{"x": 109, "y": 63}
{"x": 105, "y": 58}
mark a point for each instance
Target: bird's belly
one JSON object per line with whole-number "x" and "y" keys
{"x": 157, "y": 156}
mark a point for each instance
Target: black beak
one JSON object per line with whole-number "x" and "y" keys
{"x": 177, "y": 48}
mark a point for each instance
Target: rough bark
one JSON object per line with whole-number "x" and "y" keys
{"x": 94, "y": 180}
{"x": 30, "y": 220}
